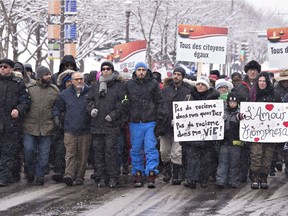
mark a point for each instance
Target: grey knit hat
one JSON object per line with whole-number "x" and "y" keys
{"x": 42, "y": 71}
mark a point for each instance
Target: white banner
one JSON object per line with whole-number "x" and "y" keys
{"x": 127, "y": 55}
{"x": 264, "y": 122}
{"x": 204, "y": 44}
{"x": 278, "y": 47}
{"x": 198, "y": 120}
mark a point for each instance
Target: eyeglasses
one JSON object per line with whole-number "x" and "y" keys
{"x": 4, "y": 66}
{"x": 78, "y": 79}
{"x": 108, "y": 68}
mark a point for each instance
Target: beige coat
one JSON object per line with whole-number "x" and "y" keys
{"x": 39, "y": 119}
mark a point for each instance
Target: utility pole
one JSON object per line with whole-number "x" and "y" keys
{"x": 62, "y": 19}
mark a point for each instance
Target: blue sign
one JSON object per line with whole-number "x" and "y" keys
{"x": 71, "y": 6}
{"x": 70, "y": 31}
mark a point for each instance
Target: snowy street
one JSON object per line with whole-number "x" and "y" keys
{"x": 165, "y": 199}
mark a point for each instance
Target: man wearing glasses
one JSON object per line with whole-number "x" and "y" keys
{"x": 144, "y": 109}
{"x": 14, "y": 103}
{"x": 72, "y": 103}
{"x": 106, "y": 107}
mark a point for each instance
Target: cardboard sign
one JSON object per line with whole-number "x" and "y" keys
{"x": 278, "y": 47}
{"x": 264, "y": 122}
{"x": 201, "y": 44}
{"x": 198, "y": 120}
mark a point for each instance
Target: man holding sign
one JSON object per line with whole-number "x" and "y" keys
{"x": 171, "y": 152}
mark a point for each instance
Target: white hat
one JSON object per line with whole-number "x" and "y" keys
{"x": 283, "y": 75}
{"x": 204, "y": 80}
{"x": 221, "y": 83}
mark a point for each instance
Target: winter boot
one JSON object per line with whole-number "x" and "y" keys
{"x": 30, "y": 178}
{"x": 151, "y": 179}
{"x": 176, "y": 179}
{"x": 192, "y": 184}
{"x": 112, "y": 183}
{"x": 255, "y": 181}
{"x": 100, "y": 183}
{"x": 279, "y": 165}
{"x": 167, "y": 172}
{"x": 125, "y": 169}
{"x": 58, "y": 177}
{"x": 68, "y": 180}
{"x": 138, "y": 179}
{"x": 263, "y": 181}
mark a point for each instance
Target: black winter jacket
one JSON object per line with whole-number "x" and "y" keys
{"x": 232, "y": 125}
{"x": 13, "y": 95}
{"x": 112, "y": 104}
{"x": 172, "y": 93}
{"x": 76, "y": 120}
{"x": 145, "y": 99}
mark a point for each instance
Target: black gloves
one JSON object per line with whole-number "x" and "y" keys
{"x": 57, "y": 122}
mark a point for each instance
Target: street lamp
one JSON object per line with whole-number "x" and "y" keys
{"x": 128, "y": 4}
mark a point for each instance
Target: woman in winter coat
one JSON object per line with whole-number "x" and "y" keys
{"x": 106, "y": 109}
{"x": 198, "y": 153}
{"x": 262, "y": 153}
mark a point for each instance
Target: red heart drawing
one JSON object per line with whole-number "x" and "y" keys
{"x": 269, "y": 107}
{"x": 285, "y": 123}
{"x": 256, "y": 139}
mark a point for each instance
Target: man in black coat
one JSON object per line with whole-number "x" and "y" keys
{"x": 145, "y": 103}
{"x": 14, "y": 102}
{"x": 106, "y": 108}
{"x": 171, "y": 151}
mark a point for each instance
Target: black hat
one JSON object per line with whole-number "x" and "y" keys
{"x": 181, "y": 70}
{"x": 28, "y": 67}
{"x": 107, "y": 63}
{"x": 157, "y": 76}
{"x": 19, "y": 65}
{"x": 42, "y": 71}
{"x": 233, "y": 96}
{"x": 8, "y": 62}
{"x": 252, "y": 65}
{"x": 215, "y": 72}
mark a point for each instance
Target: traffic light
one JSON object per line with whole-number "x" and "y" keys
{"x": 244, "y": 53}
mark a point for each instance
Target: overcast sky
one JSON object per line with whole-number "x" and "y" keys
{"x": 274, "y": 5}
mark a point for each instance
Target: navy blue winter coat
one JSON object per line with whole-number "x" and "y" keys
{"x": 76, "y": 120}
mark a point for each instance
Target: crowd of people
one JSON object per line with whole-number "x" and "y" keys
{"x": 110, "y": 121}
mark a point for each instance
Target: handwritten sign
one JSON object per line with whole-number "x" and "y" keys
{"x": 264, "y": 122}
{"x": 198, "y": 120}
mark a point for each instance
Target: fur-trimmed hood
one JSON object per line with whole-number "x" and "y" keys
{"x": 63, "y": 75}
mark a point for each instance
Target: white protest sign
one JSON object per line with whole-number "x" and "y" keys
{"x": 204, "y": 44}
{"x": 277, "y": 47}
{"x": 198, "y": 120}
{"x": 264, "y": 122}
